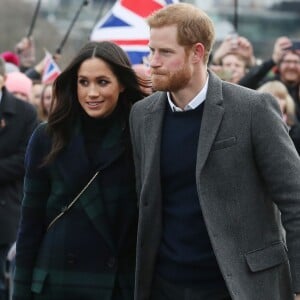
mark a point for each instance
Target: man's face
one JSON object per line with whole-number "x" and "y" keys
{"x": 170, "y": 66}
{"x": 290, "y": 68}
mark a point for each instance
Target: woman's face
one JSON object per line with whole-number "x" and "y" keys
{"x": 47, "y": 98}
{"x": 98, "y": 88}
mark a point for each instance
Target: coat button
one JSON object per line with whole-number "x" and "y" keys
{"x": 111, "y": 262}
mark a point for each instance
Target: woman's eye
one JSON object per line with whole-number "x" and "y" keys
{"x": 83, "y": 82}
{"x": 102, "y": 82}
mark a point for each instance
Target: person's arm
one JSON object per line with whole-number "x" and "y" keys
{"x": 278, "y": 164}
{"x": 236, "y": 45}
{"x": 26, "y": 51}
{"x": 256, "y": 74}
{"x": 33, "y": 214}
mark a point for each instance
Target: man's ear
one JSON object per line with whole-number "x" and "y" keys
{"x": 198, "y": 52}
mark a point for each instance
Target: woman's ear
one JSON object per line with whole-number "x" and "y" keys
{"x": 122, "y": 88}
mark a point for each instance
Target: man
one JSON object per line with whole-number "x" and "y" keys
{"x": 17, "y": 121}
{"x": 213, "y": 163}
{"x": 286, "y": 59}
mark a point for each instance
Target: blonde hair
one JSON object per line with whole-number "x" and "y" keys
{"x": 193, "y": 25}
{"x": 279, "y": 90}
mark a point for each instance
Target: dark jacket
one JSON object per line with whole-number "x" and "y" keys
{"x": 17, "y": 121}
{"x": 80, "y": 257}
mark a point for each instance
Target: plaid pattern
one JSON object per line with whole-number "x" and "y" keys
{"x": 80, "y": 257}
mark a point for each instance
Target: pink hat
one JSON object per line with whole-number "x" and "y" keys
{"x": 11, "y": 57}
{"x": 17, "y": 82}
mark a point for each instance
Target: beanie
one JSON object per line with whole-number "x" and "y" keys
{"x": 17, "y": 82}
{"x": 9, "y": 67}
{"x": 11, "y": 57}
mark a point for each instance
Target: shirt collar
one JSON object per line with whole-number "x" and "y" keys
{"x": 194, "y": 103}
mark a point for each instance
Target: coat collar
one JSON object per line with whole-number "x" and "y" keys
{"x": 212, "y": 117}
{"x": 73, "y": 162}
{"x": 75, "y": 168}
{"x": 8, "y": 102}
{"x": 8, "y": 108}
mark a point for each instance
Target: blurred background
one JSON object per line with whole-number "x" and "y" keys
{"x": 261, "y": 21}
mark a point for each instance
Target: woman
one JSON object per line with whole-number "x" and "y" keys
{"x": 88, "y": 252}
{"x": 45, "y": 102}
{"x": 287, "y": 106}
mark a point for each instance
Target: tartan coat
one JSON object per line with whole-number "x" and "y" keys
{"x": 79, "y": 256}
{"x": 247, "y": 167}
{"x": 18, "y": 119}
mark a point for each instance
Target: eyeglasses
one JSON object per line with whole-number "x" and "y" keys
{"x": 291, "y": 62}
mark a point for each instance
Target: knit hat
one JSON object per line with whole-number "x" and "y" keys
{"x": 17, "y": 82}
{"x": 10, "y": 67}
{"x": 11, "y": 57}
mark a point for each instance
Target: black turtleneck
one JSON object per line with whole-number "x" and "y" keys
{"x": 94, "y": 130}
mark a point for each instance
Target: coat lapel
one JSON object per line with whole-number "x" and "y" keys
{"x": 211, "y": 120}
{"x": 153, "y": 133}
{"x": 76, "y": 171}
{"x": 93, "y": 205}
{"x": 152, "y": 183}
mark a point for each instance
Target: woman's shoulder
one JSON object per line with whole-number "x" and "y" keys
{"x": 40, "y": 138}
{"x": 40, "y": 132}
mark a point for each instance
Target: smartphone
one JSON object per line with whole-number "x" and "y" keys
{"x": 296, "y": 45}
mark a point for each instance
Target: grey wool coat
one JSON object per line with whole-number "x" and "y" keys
{"x": 91, "y": 250}
{"x": 246, "y": 168}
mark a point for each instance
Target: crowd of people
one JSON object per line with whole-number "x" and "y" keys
{"x": 177, "y": 179}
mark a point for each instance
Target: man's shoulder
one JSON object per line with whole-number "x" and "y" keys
{"x": 25, "y": 107}
{"x": 18, "y": 106}
{"x": 148, "y": 102}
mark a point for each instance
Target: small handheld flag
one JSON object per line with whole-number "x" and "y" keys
{"x": 51, "y": 69}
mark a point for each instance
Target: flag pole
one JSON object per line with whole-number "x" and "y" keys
{"x": 102, "y": 5}
{"x": 235, "y": 17}
{"x": 62, "y": 43}
{"x": 33, "y": 20}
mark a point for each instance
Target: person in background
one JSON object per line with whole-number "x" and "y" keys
{"x": 19, "y": 85}
{"x": 284, "y": 65}
{"x": 12, "y": 61}
{"x": 80, "y": 162}
{"x": 280, "y": 92}
{"x": 17, "y": 122}
{"x": 45, "y": 102}
{"x": 233, "y": 58}
{"x": 36, "y": 93}
{"x": 214, "y": 166}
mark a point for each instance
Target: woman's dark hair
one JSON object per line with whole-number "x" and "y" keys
{"x": 65, "y": 108}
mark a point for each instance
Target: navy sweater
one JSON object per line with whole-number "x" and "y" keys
{"x": 185, "y": 255}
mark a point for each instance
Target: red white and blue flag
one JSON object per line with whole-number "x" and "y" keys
{"x": 125, "y": 25}
{"x": 51, "y": 69}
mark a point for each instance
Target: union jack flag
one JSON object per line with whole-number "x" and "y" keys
{"x": 51, "y": 70}
{"x": 125, "y": 25}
